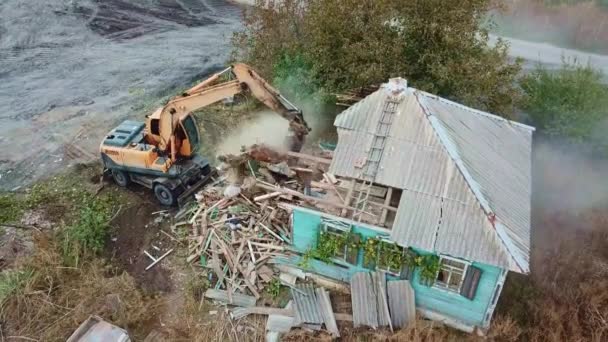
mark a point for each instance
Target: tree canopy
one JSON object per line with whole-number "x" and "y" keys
{"x": 570, "y": 103}
{"x": 439, "y": 46}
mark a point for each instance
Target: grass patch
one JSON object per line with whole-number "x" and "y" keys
{"x": 46, "y": 300}
{"x": 11, "y": 208}
{"x": 12, "y": 281}
{"x": 87, "y": 233}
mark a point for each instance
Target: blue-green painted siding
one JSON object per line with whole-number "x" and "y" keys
{"x": 306, "y": 230}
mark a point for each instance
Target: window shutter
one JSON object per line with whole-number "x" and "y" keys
{"x": 406, "y": 272}
{"x": 353, "y": 253}
{"x": 470, "y": 283}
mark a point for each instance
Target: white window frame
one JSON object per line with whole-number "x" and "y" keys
{"x": 337, "y": 227}
{"x": 445, "y": 285}
{"x": 388, "y": 271}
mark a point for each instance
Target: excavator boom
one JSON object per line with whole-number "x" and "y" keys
{"x": 209, "y": 91}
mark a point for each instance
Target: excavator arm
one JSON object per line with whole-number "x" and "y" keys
{"x": 209, "y": 91}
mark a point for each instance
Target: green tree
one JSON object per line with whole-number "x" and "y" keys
{"x": 439, "y": 46}
{"x": 571, "y": 102}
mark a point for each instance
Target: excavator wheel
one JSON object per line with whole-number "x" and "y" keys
{"x": 120, "y": 177}
{"x": 164, "y": 195}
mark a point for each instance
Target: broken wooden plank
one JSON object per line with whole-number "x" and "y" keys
{"x": 271, "y": 232}
{"x": 330, "y": 178}
{"x": 159, "y": 259}
{"x": 267, "y": 196}
{"x": 251, "y": 250}
{"x": 376, "y": 191}
{"x": 266, "y": 245}
{"x": 309, "y": 157}
{"x": 195, "y": 216}
{"x": 238, "y": 299}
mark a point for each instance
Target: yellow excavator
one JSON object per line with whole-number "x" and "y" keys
{"x": 161, "y": 154}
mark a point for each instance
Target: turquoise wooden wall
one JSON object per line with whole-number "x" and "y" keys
{"x": 306, "y": 230}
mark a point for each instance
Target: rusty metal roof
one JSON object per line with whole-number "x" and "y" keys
{"x": 465, "y": 175}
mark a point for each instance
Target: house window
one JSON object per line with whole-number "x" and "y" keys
{"x": 338, "y": 242}
{"x": 451, "y": 274}
{"x": 390, "y": 257}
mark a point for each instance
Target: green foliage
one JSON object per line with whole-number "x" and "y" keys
{"x": 274, "y": 288}
{"x": 293, "y": 76}
{"x": 12, "y": 281}
{"x": 305, "y": 260}
{"x": 570, "y": 103}
{"x": 330, "y": 245}
{"x": 390, "y": 256}
{"x": 438, "y": 46}
{"x": 370, "y": 252}
{"x": 430, "y": 265}
{"x": 88, "y": 232}
{"x": 11, "y": 208}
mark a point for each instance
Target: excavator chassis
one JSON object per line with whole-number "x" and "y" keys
{"x": 192, "y": 175}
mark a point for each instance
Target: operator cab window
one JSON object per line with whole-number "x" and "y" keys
{"x": 154, "y": 126}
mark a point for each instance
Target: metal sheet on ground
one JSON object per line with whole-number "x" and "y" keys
{"x": 401, "y": 302}
{"x": 364, "y": 300}
{"x": 306, "y": 305}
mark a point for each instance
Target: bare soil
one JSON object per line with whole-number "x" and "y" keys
{"x": 135, "y": 232}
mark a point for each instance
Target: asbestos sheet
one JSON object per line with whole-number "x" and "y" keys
{"x": 306, "y": 305}
{"x": 327, "y": 312}
{"x": 401, "y": 302}
{"x": 364, "y": 300}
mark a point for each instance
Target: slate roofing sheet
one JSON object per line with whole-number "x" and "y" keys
{"x": 465, "y": 175}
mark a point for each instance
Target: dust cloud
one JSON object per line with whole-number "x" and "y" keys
{"x": 568, "y": 178}
{"x": 266, "y": 128}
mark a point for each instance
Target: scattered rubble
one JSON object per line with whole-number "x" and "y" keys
{"x": 240, "y": 223}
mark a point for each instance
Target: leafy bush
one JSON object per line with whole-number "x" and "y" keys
{"x": 88, "y": 232}
{"x": 571, "y": 102}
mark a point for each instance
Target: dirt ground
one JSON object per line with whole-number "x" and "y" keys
{"x": 135, "y": 231}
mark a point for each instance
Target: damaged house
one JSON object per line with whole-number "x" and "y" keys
{"x": 436, "y": 193}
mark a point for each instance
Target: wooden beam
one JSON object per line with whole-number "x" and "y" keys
{"x": 387, "y": 202}
{"x": 349, "y": 195}
{"x": 267, "y": 196}
{"x": 309, "y": 157}
{"x": 316, "y": 199}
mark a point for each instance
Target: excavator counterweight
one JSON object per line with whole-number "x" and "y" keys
{"x": 161, "y": 153}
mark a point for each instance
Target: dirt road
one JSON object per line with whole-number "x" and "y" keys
{"x": 72, "y": 69}
{"x": 552, "y": 56}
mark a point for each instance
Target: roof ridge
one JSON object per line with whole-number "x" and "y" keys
{"x": 475, "y": 111}
{"x": 472, "y": 183}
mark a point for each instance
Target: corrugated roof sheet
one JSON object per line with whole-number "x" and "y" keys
{"x": 465, "y": 174}
{"x": 402, "y": 303}
{"x": 364, "y": 300}
{"x": 495, "y": 156}
{"x": 306, "y": 305}
{"x": 327, "y": 311}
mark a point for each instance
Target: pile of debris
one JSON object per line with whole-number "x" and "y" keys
{"x": 235, "y": 238}
{"x": 240, "y": 225}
